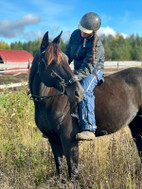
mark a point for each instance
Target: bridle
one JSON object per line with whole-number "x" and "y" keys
{"x": 62, "y": 82}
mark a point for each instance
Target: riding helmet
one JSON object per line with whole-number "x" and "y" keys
{"x": 90, "y": 22}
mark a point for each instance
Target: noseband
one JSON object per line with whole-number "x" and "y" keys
{"x": 62, "y": 82}
{"x": 53, "y": 74}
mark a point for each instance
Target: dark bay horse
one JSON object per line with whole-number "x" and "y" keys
{"x": 118, "y": 103}
{"x": 54, "y": 94}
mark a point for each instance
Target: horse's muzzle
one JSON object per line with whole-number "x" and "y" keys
{"x": 74, "y": 93}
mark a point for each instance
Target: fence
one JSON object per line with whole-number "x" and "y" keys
{"x": 24, "y": 67}
{"x": 108, "y": 65}
{"x": 122, "y": 64}
{"x": 14, "y": 67}
{"x": 118, "y": 65}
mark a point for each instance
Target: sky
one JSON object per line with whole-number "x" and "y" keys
{"x": 28, "y": 20}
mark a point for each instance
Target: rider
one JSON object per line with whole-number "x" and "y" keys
{"x": 87, "y": 52}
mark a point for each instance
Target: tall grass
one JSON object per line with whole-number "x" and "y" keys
{"x": 26, "y": 160}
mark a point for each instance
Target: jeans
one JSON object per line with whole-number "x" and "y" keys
{"x": 87, "y": 105}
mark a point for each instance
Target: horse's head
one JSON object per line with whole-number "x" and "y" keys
{"x": 55, "y": 72}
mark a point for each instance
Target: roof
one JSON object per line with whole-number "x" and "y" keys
{"x": 15, "y": 56}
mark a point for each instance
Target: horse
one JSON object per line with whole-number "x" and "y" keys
{"x": 54, "y": 92}
{"x": 53, "y": 89}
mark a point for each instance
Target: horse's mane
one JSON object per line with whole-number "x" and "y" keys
{"x": 53, "y": 52}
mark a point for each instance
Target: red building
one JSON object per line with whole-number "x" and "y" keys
{"x": 14, "y": 61}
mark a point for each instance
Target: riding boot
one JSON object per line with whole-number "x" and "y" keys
{"x": 85, "y": 135}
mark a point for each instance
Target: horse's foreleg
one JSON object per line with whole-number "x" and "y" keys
{"x": 72, "y": 156}
{"x": 70, "y": 146}
{"x": 58, "y": 153}
{"x": 136, "y": 130}
{"x": 72, "y": 160}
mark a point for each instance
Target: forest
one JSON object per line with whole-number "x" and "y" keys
{"x": 116, "y": 48}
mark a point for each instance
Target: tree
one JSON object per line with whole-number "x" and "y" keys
{"x": 116, "y": 48}
{"x": 17, "y": 46}
{"x": 4, "y": 45}
{"x": 30, "y": 46}
{"x": 63, "y": 45}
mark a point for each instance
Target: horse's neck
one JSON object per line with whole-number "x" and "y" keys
{"x": 57, "y": 105}
{"x": 44, "y": 91}
{"x": 33, "y": 77}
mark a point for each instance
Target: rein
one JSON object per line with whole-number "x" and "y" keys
{"x": 38, "y": 98}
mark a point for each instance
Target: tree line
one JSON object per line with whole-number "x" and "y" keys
{"x": 116, "y": 48}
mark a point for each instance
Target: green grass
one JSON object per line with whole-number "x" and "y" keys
{"x": 26, "y": 160}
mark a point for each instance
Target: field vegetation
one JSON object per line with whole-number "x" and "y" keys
{"x": 26, "y": 160}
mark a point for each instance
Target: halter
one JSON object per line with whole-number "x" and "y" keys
{"x": 62, "y": 83}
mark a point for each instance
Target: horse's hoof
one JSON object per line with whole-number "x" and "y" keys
{"x": 74, "y": 174}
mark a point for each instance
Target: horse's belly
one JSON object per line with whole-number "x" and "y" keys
{"x": 112, "y": 120}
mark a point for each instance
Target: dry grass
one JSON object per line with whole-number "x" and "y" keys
{"x": 26, "y": 160}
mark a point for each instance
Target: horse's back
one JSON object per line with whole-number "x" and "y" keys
{"x": 119, "y": 99}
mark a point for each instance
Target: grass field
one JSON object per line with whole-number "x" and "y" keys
{"x": 26, "y": 160}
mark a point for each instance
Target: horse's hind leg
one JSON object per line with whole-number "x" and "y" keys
{"x": 136, "y": 130}
{"x": 58, "y": 153}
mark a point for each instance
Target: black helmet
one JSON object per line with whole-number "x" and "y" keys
{"x": 90, "y": 22}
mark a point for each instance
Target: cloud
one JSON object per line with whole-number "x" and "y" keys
{"x": 10, "y": 29}
{"x": 55, "y": 31}
{"x": 66, "y": 35}
{"x": 109, "y": 31}
{"x": 106, "y": 31}
{"x": 31, "y": 35}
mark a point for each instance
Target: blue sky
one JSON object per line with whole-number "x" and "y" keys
{"x": 30, "y": 19}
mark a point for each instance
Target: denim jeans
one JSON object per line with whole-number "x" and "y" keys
{"x": 87, "y": 105}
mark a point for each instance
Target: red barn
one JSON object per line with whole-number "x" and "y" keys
{"x": 14, "y": 61}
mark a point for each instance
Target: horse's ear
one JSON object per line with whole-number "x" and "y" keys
{"x": 45, "y": 42}
{"x": 57, "y": 39}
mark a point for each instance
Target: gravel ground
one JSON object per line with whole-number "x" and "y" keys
{"x": 7, "y": 79}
